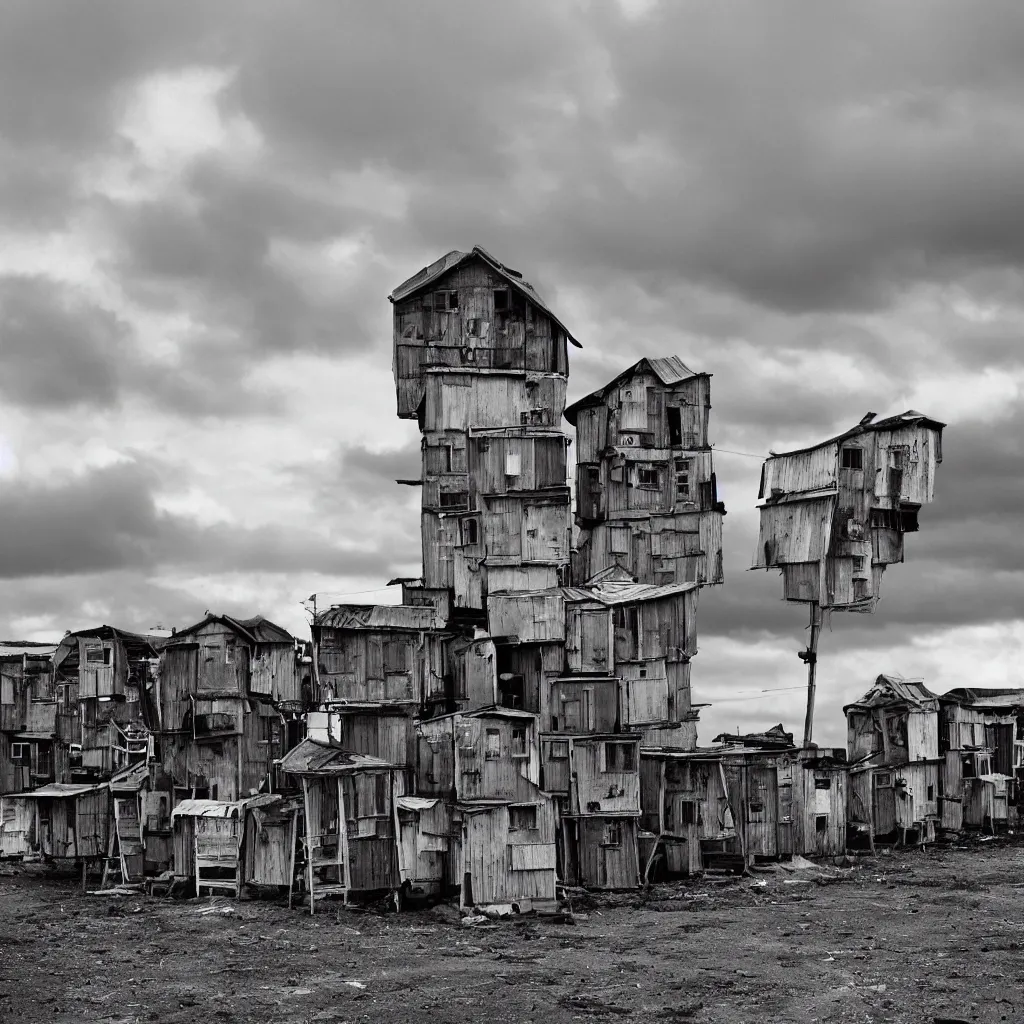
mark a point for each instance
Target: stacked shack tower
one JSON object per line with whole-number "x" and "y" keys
{"x": 590, "y": 642}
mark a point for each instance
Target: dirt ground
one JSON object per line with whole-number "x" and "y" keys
{"x": 907, "y": 937}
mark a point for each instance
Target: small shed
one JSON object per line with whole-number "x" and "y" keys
{"x": 348, "y": 807}
{"x": 71, "y": 822}
{"x": 271, "y": 837}
{"x": 208, "y": 844}
{"x": 424, "y": 827}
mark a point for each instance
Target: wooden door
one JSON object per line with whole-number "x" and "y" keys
{"x": 762, "y": 811}
{"x": 594, "y": 641}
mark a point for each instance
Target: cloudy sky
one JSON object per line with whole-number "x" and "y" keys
{"x": 204, "y": 207}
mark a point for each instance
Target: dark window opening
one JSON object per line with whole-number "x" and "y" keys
{"x": 821, "y": 823}
{"x": 859, "y": 564}
{"x": 968, "y": 767}
{"x": 455, "y": 499}
{"x": 446, "y": 300}
{"x": 521, "y": 819}
{"x": 612, "y": 834}
{"x": 688, "y": 812}
{"x": 825, "y": 783}
{"x": 853, "y": 458}
{"x": 885, "y": 519}
{"x": 470, "y": 531}
{"x": 619, "y": 757}
{"x": 511, "y": 690}
{"x": 500, "y": 300}
{"x": 558, "y": 750}
{"x": 931, "y": 792}
{"x": 908, "y": 518}
{"x": 649, "y": 478}
{"x": 682, "y": 479}
{"x": 675, "y": 426}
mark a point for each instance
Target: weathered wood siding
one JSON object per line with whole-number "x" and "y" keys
{"x": 603, "y": 783}
{"x": 581, "y": 706}
{"x": 379, "y": 665}
{"x": 461, "y": 401}
{"x": 607, "y": 854}
{"x": 528, "y": 617}
{"x": 488, "y": 763}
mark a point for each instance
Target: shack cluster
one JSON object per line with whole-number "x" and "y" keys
{"x": 524, "y": 717}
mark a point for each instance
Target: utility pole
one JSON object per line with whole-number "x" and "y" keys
{"x": 810, "y": 658}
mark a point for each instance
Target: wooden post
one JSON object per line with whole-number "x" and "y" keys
{"x": 85, "y": 868}
{"x": 308, "y": 843}
{"x": 291, "y": 870}
{"x": 343, "y": 830}
{"x": 871, "y": 810}
{"x": 811, "y": 657}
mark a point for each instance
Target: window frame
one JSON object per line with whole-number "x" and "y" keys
{"x": 847, "y": 458}
{"x": 517, "y": 754}
{"x": 531, "y": 817}
{"x": 489, "y": 753}
{"x": 614, "y": 765}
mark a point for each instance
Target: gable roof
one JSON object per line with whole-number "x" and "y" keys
{"x": 256, "y": 630}
{"x": 911, "y": 416}
{"x": 895, "y": 689}
{"x": 668, "y": 369}
{"x": 456, "y": 258}
{"x": 987, "y": 697}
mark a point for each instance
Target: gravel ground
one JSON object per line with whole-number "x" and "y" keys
{"x": 907, "y": 937}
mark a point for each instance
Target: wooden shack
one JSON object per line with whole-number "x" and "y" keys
{"x": 896, "y": 770}
{"x": 32, "y": 749}
{"x": 834, "y": 515}
{"x": 981, "y": 739}
{"x": 108, "y": 673}
{"x": 349, "y": 837}
{"x": 599, "y": 778}
{"x": 486, "y": 763}
{"x": 646, "y": 491}
{"x": 70, "y": 822}
{"x": 466, "y": 309}
{"x": 269, "y": 850}
{"x": 686, "y": 809}
{"x": 219, "y": 737}
{"x": 381, "y": 654}
{"x": 425, "y": 844}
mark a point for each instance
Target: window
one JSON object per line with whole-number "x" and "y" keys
{"x": 682, "y": 479}
{"x": 513, "y": 463}
{"x": 97, "y": 654}
{"x": 446, "y": 300}
{"x": 931, "y": 792}
{"x": 612, "y": 834}
{"x": 823, "y": 783}
{"x": 883, "y": 780}
{"x": 558, "y": 750}
{"x": 853, "y": 458}
{"x": 448, "y": 458}
{"x": 533, "y": 418}
{"x": 500, "y": 300}
{"x": 886, "y": 519}
{"x": 859, "y": 565}
{"x": 396, "y": 656}
{"x": 521, "y": 819}
{"x": 20, "y": 753}
{"x": 519, "y": 748}
{"x": 269, "y": 729}
{"x": 619, "y": 757}
{"x": 229, "y": 652}
{"x": 821, "y": 824}
{"x": 455, "y": 499}
{"x": 493, "y": 748}
{"x": 968, "y": 769}
{"x": 470, "y": 531}
{"x": 687, "y": 812}
{"x": 648, "y": 477}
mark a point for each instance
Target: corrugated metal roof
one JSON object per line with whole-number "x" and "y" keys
{"x": 311, "y": 757}
{"x": 612, "y": 593}
{"x": 990, "y": 697}
{"x": 451, "y": 260}
{"x": 887, "y": 689}
{"x": 19, "y": 648}
{"x": 206, "y": 809}
{"x": 61, "y": 789}
{"x": 668, "y": 369}
{"x": 380, "y": 616}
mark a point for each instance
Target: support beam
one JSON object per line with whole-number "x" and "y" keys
{"x": 810, "y": 656}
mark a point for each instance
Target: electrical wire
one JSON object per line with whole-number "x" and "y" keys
{"x": 732, "y": 451}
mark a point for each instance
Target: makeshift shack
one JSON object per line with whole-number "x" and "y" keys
{"x": 70, "y": 822}
{"x": 349, "y": 831}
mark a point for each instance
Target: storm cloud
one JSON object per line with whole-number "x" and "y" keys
{"x": 203, "y": 211}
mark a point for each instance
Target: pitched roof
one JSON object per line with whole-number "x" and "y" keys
{"x": 256, "y": 630}
{"x": 312, "y": 757}
{"x": 19, "y": 648}
{"x": 60, "y": 789}
{"x": 450, "y": 260}
{"x": 888, "y": 423}
{"x": 613, "y": 593}
{"x": 380, "y": 616}
{"x": 668, "y": 369}
{"x": 892, "y": 689}
{"x": 989, "y": 697}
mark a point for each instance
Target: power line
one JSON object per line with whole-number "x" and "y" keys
{"x": 732, "y": 451}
